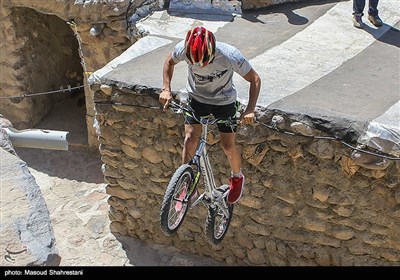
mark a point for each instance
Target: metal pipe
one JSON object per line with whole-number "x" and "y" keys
{"x": 38, "y": 138}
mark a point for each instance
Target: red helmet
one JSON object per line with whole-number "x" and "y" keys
{"x": 200, "y": 46}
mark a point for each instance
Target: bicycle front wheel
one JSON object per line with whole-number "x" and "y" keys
{"x": 175, "y": 203}
{"x": 218, "y": 220}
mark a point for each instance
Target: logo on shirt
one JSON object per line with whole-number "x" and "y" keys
{"x": 210, "y": 77}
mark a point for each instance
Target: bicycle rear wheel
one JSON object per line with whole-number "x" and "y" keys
{"x": 218, "y": 221}
{"x": 175, "y": 203}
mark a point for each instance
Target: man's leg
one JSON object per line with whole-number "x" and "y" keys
{"x": 358, "y": 7}
{"x": 358, "y": 12}
{"x": 236, "y": 182}
{"x": 373, "y": 16}
{"x": 373, "y": 7}
{"x": 228, "y": 143}
{"x": 192, "y": 136}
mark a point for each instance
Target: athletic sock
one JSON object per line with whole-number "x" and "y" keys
{"x": 236, "y": 175}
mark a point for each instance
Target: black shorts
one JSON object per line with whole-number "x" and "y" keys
{"x": 218, "y": 111}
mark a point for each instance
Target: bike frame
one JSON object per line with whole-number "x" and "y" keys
{"x": 202, "y": 161}
{"x": 181, "y": 193}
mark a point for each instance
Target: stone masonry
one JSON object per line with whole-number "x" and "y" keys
{"x": 307, "y": 202}
{"x": 46, "y": 45}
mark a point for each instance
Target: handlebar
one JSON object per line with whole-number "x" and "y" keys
{"x": 176, "y": 107}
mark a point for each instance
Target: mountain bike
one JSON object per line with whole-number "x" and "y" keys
{"x": 183, "y": 193}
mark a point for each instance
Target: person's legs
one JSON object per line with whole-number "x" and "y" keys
{"x": 193, "y": 129}
{"x": 228, "y": 143}
{"x": 228, "y": 134}
{"x": 358, "y": 7}
{"x": 358, "y": 12}
{"x": 373, "y": 7}
{"x": 192, "y": 132}
{"x": 192, "y": 136}
{"x": 373, "y": 16}
{"x": 236, "y": 182}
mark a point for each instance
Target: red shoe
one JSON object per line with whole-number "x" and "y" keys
{"x": 236, "y": 187}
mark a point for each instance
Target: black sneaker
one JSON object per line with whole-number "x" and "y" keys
{"x": 375, "y": 20}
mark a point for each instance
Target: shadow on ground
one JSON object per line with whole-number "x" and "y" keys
{"x": 141, "y": 253}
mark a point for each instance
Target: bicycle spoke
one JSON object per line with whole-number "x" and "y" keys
{"x": 175, "y": 204}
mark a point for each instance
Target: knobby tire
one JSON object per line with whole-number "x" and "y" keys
{"x": 215, "y": 232}
{"x": 171, "y": 206}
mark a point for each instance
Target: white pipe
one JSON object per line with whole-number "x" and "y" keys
{"x": 38, "y": 138}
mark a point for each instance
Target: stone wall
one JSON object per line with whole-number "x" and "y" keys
{"x": 38, "y": 55}
{"x": 41, "y": 51}
{"x": 307, "y": 201}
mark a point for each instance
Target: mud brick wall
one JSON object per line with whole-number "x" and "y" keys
{"x": 306, "y": 202}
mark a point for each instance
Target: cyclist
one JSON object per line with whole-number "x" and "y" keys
{"x": 210, "y": 88}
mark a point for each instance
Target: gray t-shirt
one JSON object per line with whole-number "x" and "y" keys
{"x": 212, "y": 84}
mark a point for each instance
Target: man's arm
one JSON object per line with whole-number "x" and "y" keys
{"x": 168, "y": 70}
{"x": 255, "y": 84}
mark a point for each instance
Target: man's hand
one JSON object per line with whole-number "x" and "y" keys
{"x": 247, "y": 118}
{"x": 165, "y": 98}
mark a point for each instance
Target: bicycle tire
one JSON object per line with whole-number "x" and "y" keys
{"x": 215, "y": 228}
{"x": 175, "y": 205}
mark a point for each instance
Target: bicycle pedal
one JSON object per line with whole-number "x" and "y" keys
{"x": 224, "y": 189}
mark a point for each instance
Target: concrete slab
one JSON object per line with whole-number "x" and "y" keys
{"x": 311, "y": 59}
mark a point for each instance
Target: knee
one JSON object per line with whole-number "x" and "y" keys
{"x": 190, "y": 140}
{"x": 229, "y": 148}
